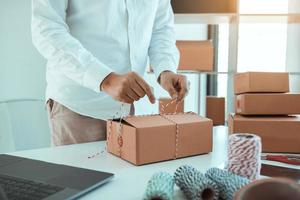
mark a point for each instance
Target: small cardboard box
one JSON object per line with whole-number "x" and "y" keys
{"x": 196, "y": 55}
{"x": 267, "y": 104}
{"x": 154, "y": 138}
{"x": 215, "y": 109}
{"x": 258, "y": 82}
{"x": 169, "y": 106}
{"x": 204, "y": 6}
{"x": 278, "y": 133}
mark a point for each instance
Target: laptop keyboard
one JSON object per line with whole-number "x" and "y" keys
{"x": 22, "y": 189}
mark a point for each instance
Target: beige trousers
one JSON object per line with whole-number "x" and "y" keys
{"x": 68, "y": 127}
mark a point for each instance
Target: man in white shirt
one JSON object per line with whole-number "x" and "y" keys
{"x": 97, "y": 53}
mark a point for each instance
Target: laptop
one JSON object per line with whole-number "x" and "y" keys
{"x": 22, "y": 178}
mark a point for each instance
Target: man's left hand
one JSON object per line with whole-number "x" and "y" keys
{"x": 175, "y": 84}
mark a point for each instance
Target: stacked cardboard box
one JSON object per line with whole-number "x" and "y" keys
{"x": 264, "y": 107}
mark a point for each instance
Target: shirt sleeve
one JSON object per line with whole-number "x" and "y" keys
{"x": 51, "y": 36}
{"x": 163, "y": 53}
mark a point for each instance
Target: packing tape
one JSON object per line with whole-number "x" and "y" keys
{"x": 195, "y": 185}
{"x": 270, "y": 188}
{"x": 160, "y": 187}
{"x": 244, "y": 155}
{"x": 228, "y": 183}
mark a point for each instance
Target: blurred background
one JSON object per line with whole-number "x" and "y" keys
{"x": 248, "y": 35}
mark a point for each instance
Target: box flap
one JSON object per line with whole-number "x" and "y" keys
{"x": 295, "y": 118}
{"x": 147, "y": 121}
{"x": 187, "y": 118}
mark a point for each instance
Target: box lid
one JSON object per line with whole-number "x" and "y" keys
{"x": 147, "y": 121}
{"x": 236, "y": 117}
{"x": 186, "y": 118}
{"x": 270, "y": 94}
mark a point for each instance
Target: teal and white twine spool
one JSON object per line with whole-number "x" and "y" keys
{"x": 228, "y": 183}
{"x": 160, "y": 187}
{"x": 195, "y": 185}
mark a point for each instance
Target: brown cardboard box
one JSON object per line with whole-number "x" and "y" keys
{"x": 278, "y": 133}
{"x": 196, "y": 55}
{"x": 251, "y": 82}
{"x": 204, "y": 6}
{"x": 168, "y": 106}
{"x": 149, "y": 139}
{"x": 267, "y": 104}
{"x": 215, "y": 109}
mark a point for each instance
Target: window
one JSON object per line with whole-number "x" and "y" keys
{"x": 263, "y": 6}
{"x": 262, "y": 46}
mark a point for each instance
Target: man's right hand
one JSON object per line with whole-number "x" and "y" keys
{"x": 126, "y": 88}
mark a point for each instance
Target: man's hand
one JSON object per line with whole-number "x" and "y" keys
{"x": 175, "y": 84}
{"x": 126, "y": 88}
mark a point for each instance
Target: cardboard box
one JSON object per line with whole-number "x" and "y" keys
{"x": 149, "y": 139}
{"x": 257, "y": 82}
{"x": 168, "y": 106}
{"x": 215, "y": 109}
{"x": 278, "y": 133}
{"x": 267, "y": 104}
{"x": 204, "y": 6}
{"x": 196, "y": 55}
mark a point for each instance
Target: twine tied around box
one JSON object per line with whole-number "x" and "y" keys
{"x": 119, "y": 128}
{"x": 163, "y": 107}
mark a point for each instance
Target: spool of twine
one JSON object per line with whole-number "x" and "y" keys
{"x": 195, "y": 185}
{"x": 244, "y": 155}
{"x": 228, "y": 183}
{"x": 160, "y": 187}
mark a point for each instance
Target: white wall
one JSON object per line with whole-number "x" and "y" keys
{"x": 22, "y": 68}
{"x": 22, "y": 76}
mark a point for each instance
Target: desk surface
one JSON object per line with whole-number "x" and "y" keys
{"x": 129, "y": 181}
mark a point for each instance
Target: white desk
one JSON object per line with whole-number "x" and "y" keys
{"x": 130, "y": 181}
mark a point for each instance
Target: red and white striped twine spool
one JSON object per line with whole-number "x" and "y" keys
{"x": 244, "y": 155}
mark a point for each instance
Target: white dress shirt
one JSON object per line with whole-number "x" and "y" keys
{"x": 85, "y": 40}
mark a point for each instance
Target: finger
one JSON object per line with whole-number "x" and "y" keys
{"x": 182, "y": 88}
{"x": 146, "y": 89}
{"x": 133, "y": 95}
{"x": 128, "y": 99}
{"x": 125, "y": 99}
{"x": 138, "y": 90}
{"x": 172, "y": 91}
